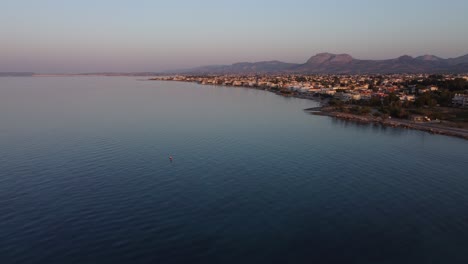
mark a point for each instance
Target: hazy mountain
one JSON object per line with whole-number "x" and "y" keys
{"x": 329, "y": 59}
{"x": 342, "y": 63}
{"x": 458, "y": 60}
{"x": 429, "y": 58}
{"x": 242, "y": 67}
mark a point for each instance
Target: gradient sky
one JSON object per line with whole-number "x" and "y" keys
{"x": 65, "y": 36}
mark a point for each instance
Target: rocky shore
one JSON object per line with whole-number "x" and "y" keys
{"x": 397, "y": 123}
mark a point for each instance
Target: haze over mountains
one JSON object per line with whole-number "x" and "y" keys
{"x": 322, "y": 63}
{"x": 342, "y": 64}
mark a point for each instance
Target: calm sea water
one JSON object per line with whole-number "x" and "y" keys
{"x": 85, "y": 178}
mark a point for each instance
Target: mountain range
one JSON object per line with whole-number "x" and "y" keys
{"x": 341, "y": 64}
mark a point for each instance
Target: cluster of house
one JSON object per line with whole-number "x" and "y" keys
{"x": 343, "y": 87}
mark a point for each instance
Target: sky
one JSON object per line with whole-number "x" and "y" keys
{"x": 68, "y": 36}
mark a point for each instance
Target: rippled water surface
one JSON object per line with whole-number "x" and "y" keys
{"x": 85, "y": 178}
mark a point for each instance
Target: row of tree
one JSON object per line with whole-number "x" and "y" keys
{"x": 457, "y": 84}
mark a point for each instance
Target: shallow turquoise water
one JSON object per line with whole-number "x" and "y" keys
{"x": 85, "y": 178}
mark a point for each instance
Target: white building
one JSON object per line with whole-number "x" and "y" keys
{"x": 460, "y": 100}
{"x": 327, "y": 91}
{"x": 407, "y": 98}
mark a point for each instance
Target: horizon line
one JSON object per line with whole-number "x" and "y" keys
{"x": 225, "y": 64}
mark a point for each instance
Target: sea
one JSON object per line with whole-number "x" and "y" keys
{"x": 85, "y": 177}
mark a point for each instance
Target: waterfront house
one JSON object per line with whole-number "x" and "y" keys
{"x": 460, "y": 100}
{"x": 419, "y": 118}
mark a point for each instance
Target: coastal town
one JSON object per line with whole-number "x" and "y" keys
{"x": 434, "y": 103}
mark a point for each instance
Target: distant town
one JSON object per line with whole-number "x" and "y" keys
{"x": 432, "y": 102}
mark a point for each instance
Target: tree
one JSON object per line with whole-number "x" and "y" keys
{"x": 457, "y": 84}
{"x": 375, "y": 101}
{"x": 424, "y": 99}
{"x": 335, "y": 102}
{"x": 366, "y": 110}
{"x": 444, "y": 97}
{"x": 432, "y": 103}
{"x": 301, "y": 79}
{"x": 391, "y": 99}
{"x": 373, "y": 87}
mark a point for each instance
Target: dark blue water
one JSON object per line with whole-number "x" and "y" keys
{"x": 85, "y": 178}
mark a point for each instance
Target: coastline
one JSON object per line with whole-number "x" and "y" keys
{"x": 394, "y": 122}
{"x": 364, "y": 119}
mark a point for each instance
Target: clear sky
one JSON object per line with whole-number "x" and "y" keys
{"x": 60, "y": 36}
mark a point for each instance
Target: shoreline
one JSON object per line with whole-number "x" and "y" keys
{"x": 327, "y": 111}
{"x": 394, "y": 122}
{"x": 299, "y": 96}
